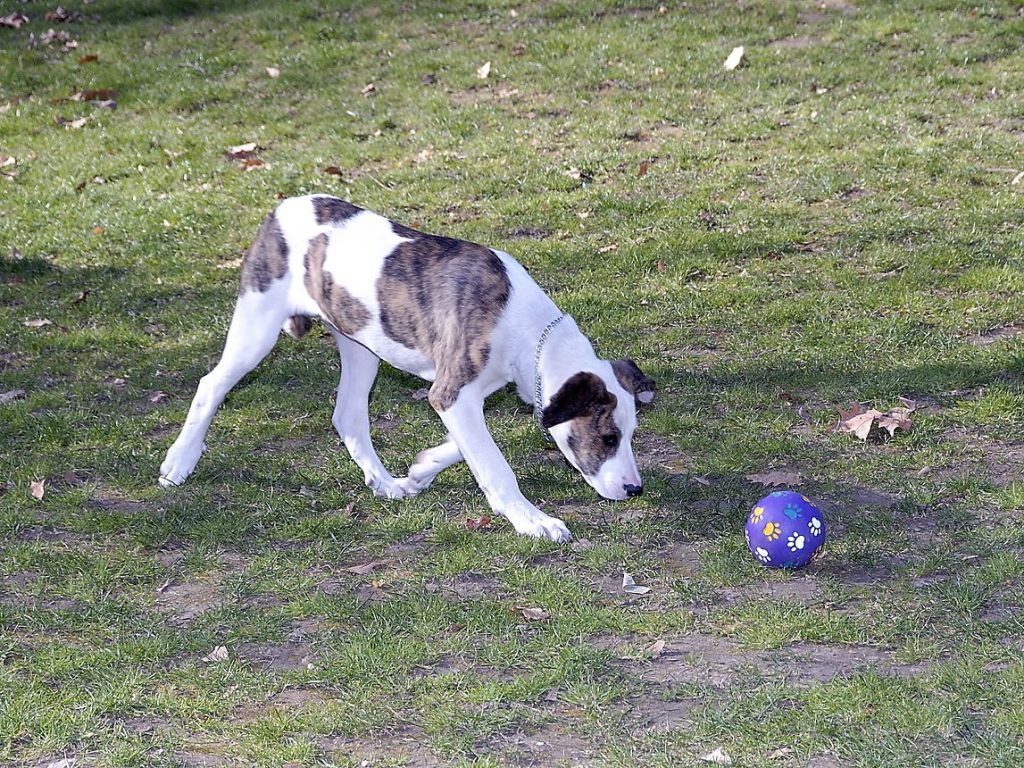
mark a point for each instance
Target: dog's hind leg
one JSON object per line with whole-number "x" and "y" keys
{"x": 352, "y": 415}
{"x": 428, "y": 464}
{"x": 254, "y": 330}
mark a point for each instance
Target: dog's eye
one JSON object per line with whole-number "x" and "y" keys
{"x": 611, "y": 440}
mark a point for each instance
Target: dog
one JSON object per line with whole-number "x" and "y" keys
{"x": 465, "y": 317}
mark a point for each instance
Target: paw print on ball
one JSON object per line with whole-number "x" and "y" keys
{"x": 814, "y": 526}
{"x": 796, "y": 542}
{"x": 772, "y": 531}
{"x": 762, "y": 555}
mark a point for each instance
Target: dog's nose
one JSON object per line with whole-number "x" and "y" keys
{"x": 633, "y": 490}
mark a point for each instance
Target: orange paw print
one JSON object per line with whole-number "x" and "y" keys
{"x": 772, "y": 531}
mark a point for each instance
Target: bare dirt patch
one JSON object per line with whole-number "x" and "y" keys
{"x": 720, "y": 662}
{"x": 651, "y": 713}
{"x": 290, "y": 656}
{"x": 407, "y": 747}
{"x": 551, "y": 745}
{"x": 183, "y": 602}
{"x": 465, "y": 586}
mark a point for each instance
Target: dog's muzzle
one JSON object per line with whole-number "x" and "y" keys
{"x": 633, "y": 490}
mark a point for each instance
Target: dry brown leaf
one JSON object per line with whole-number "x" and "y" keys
{"x": 718, "y": 756}
{"x": 230, "y": 264}
{"x": 90, "y": 59}
{"x": 367, "y": 89}
{"x": 220, "y": 653}
{"x": 252, "y": 163}
{"x": 644, "y": 166}
{"x": 734, "y": 59}
{"x": 870, "y": 423}
{"x": 631, "y": 587}
{"x": 655, "y": 649}
{"x": 13, "y": 20}
{"x": 608, "y": 248}
{"x": 776, "y": 477}
{"x": 61, "y": 15}
{"x": 533, "y": 614}
{"x": 242, "y": 151}
{"x": 334, "y": 170}
{"x": 39, "y": 323}
{"x": 273, "y": 72}
{"x": 158, "y": 397}
{"x": 96, "y": 94}
{"x": 484, "y": 70}
{"x": 38, "y": 489}
{"x": 366, "y": 568}
{"x": 72, "y": 124}
{"x": 477, "y": 524}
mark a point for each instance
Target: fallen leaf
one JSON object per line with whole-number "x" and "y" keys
{"x": 656, "y": 649}
{"x": 13, "y": 20}
{"x": 643, "y": 168}
{"x": 660, "y": 265}
{"x": 61, "y": 15}
{"x": 158, "y": 397}
{"x": 251, "y": 163}
{"x": 484, "y": 70}
{"x": 608, "y": 248}
{"x": 40, "y": 323}
{"x": 163, "y": 587}
{"x": 869, "y": 424}
{"x": 734, "y": 59}
{"x": 273, "y": 71}
{"x": 365, "y": 568}
{"x": 367, "y": 89}
{"x": 478, "y": 524}
{"x": 230, "y": 264}
{"x": 97, "y": 94}
{"x": 781, "y": 752}
{"x": 7, "y": 160}
{"x": 701, "y": 480}
{"x": 220, "y": 653}
{"x": 242, "y": 151}
{"x": 718, "y": 756}
{"x": 533, "y": 614}
{"x": 630, "y": 586}
{"x": 91, "y": 58}
{"x": 776, "y": 477}
{"x": 10, "y": 397}
{"x": 1018, "y": 178}
{"x": 334, "y": 170}
{"x": 98, "y": 230}
{"x": 73, "y": 125}
{"x": 38, "y": 489}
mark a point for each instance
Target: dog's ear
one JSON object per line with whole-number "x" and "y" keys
{"x": 633, "y": 380}
{"x": 580, "y": 394}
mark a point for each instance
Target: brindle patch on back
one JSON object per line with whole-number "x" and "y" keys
{"x": 267, "y": 258}
{"x": 332, "y": 210}
{"x": 443, "y": 297}
{"x": 338, "y": 306}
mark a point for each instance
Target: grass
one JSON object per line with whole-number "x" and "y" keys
{"x": 835, "y": 221}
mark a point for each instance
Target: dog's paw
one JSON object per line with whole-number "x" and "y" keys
{"x": 386, "y": 487}
{"x": 410, "y": 485}
{"x": 179, "y": 465}
{"x": 545, "y": 527}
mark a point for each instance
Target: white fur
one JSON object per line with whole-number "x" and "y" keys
{"x": 356, "y": 252}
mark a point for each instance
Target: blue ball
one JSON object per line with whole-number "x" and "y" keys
{"x": 785, "y": 530}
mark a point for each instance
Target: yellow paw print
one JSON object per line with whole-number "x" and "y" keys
{"x": 772, "y": 531}
{"x": 757, "y": 514}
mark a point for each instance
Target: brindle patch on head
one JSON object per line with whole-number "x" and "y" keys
{"x": 338, "y": 306}
{"x": 332, "y": 210}
{"x": 267, "y": 258}
{"x": 589, "y": 407}
{"x": 443, "y": 297}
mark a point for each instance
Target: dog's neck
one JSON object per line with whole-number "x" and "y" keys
{"x": 558, "y": 351}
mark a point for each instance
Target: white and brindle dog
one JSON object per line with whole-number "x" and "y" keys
{"x": 465, "y": 317}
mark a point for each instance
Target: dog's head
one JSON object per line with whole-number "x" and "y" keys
{"x": 592, "y": 418}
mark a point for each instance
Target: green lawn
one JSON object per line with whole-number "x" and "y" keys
{"x": 836, "y": 221}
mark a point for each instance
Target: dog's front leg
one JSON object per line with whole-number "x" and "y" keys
{"x": 428, "y": 463}
{"x": 465, "y": 422}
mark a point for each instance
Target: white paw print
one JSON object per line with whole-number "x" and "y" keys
{"x": 814, "y": 526}
{"x": 795, "y": 542}
{"x": 762, "y": 555}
